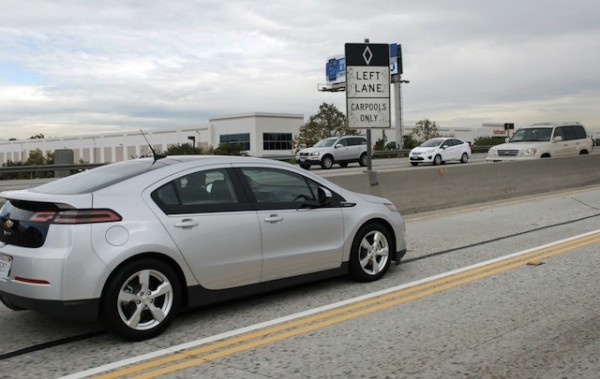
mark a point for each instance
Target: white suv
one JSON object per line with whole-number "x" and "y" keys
{"x": 340, "y": 150}
{"x": 543, "y": 141}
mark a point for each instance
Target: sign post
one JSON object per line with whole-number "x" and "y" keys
{"x": 368, "y": 90}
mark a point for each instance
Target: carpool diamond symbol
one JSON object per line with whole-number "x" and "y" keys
{"x": 367, "y": 55}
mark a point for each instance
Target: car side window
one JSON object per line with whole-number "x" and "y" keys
{"x": 201, "y": 191}
{"x": 278, "y": 186}
{"x": 559, "y": 132}
{"x": 356, "y": 142}
{"x": 343, "y": 142}
{"x": 569, "y": 133}
{"x": 580, "y": 132}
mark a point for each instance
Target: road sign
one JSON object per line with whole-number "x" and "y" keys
{"x": 368, "y": 85}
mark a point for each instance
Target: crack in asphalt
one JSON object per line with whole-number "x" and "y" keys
{"x": 476, "y": 244}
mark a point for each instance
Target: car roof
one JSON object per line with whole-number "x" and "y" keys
{"x": 552, "y": 124}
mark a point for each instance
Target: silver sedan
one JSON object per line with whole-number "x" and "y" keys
{"x": 132, "y": 243}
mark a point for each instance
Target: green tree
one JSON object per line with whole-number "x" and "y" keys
{"x": 228, "y": 149}
{"x": 409, "y": 142}
{"x": 425, "y": 130}
{"x": 488, "y": 141}
{"x": 36, "y": 157}
{"x": 328, "y": 122}
{"x": 183, "y": 149}
{"x": 380, "y": 144}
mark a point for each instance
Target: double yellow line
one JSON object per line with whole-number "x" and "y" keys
{"x": 219, "y": 349}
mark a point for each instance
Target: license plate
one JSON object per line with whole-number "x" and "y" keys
{"x": 5, "y": 263}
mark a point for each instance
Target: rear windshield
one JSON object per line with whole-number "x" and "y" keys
{"x": 101, "y": 177}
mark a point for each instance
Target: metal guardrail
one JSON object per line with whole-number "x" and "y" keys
{"x": 43, "y": 168}
{"x": 65, "y": 169}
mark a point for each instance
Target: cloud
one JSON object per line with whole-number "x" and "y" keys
{"x": 86, "y": 67}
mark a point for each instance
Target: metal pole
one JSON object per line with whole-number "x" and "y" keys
{"x": 397, "y": 97}
{"x": 401, "y": 143}
{"x": 373, "y": 178}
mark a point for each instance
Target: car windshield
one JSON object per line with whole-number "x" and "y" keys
{"x": 327, "y": 142}
{"x": 532, "y": 134}
{"x": 433, "y": 142}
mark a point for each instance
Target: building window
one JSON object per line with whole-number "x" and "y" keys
{"x": 277, "y": 141}
{"x": 242, "y": 139}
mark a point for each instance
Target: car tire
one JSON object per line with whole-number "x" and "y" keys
{"x": 305, "y": 166}
{"x": 437, "y": 160}
{"x": 327, "y": 162}
{"x": 464, "y": 158}
{"x": 363, "y": 160}
{"x": 414, "y": 163}
{"x": 141, "y": 299}
{"x": 371, "y": 253}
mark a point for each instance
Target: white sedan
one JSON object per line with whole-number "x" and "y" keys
{"x": 440, "y": 150}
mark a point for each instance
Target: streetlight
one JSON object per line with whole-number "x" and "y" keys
{"x": 193, "y": 139}
{"x": 397, "y": 80}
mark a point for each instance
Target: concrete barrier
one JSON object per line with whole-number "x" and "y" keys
{"x": 437, "y": 187}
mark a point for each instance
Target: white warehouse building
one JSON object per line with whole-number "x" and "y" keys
{"x": 261, "y": 135}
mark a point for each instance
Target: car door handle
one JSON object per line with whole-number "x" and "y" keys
{"x": 186, "y": 223}
{"x": 273, "y": 219}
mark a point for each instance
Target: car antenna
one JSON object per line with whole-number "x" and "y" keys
{"x": 155, "y": 155}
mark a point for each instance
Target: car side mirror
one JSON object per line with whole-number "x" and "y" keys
{"x": 558, "y": 139}
{"x": 339, "y": 145}
{"x": 444, "y": 147}
{"x": 325, "y": 196}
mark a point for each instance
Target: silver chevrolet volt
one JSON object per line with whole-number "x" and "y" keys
{"x": 132, "y": 243}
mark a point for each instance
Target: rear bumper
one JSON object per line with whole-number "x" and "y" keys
{"x": 77, "y": 310}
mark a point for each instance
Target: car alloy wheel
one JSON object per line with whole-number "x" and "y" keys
{"x": 370, "y": 256}
{"x": 464, "y": 158}
{"x": 437, "y": 160}
{"x": 363, "y": 161}
{"x": 327, "y": 162}
{"x": 141, "y": 300}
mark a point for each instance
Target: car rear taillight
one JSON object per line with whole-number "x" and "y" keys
{"x": 76, "y": 216}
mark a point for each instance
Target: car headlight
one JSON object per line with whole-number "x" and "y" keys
{"x": 493, "y": 153}
{"x": 391, "y": 207}
{"x": 315, "y": 154}
{"x": 528, "y": 152}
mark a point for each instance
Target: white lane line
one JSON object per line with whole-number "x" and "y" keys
{"x": 299, "y": 315}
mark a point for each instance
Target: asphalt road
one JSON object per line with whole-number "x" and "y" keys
{"x": 480, "y": 295}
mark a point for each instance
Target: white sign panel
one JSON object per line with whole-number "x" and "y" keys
{"x": 368, "y": 97}
{"x": 368, "y": 86}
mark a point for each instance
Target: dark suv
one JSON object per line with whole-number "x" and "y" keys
{"x": 340, "y": 150}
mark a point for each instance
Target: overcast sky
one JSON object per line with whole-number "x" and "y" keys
{"x": 86, "y": 67}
